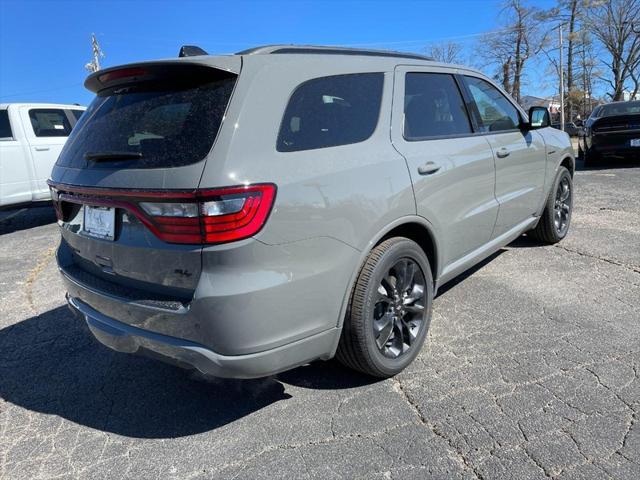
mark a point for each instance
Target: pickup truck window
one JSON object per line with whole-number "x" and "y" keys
{"x": 49, "y": 122}
{"x": 5, "y": 126}
{"x": 77, "y": 114}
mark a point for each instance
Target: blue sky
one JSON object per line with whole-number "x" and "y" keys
{"x": 45, "y": 44}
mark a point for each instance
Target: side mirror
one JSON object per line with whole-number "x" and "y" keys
{"x": 538, "y": 118}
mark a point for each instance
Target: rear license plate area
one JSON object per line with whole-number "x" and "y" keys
{"x": 99, "y": 222}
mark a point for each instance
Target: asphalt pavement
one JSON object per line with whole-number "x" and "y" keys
{"x": 531, "y": 370}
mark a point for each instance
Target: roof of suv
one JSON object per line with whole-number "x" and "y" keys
{"x": 329, "y": 50}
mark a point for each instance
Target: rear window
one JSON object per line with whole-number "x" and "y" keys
{"x": 49, "y": 122}
{"x": 331, "y": 111}
{"x": 622, "y": 108}
{"x": 5, "y": 126}
{"x": 161, "y": 123}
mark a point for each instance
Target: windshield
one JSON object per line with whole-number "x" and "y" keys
{"x": 622, "y": 108}
{"x": 155, "y": 124}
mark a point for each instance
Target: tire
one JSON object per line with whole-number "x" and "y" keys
{"x": 554, "y": 223}
{"x": 373, "y": 307}
{"x": 590, "y": 158}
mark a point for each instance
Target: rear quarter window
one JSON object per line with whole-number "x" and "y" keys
{"x": 331, "y": 111}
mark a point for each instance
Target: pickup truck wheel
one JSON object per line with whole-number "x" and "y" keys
{"x": 390, "y": 310}
{"x": 556, "y": 217}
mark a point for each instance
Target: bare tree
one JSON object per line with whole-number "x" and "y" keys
{"x": 496, "y": 50}
{"x": 613, "y": 22}
{"x": 521, "y": 37}
{"x": 448, "y": 52}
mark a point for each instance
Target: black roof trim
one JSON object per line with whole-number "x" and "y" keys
{"x": 312, "y": 50}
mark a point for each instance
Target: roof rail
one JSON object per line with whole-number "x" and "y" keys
{"x": 322, "y": 50}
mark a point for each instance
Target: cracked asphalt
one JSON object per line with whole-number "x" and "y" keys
{"x": 531, "y": 371}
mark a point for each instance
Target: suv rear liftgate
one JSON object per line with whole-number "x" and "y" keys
{"x": 127, "y": 193}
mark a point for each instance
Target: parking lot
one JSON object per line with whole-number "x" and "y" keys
{"x": 531, "y": 370}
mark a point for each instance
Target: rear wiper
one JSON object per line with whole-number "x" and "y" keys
{"x": 113, "y": 156}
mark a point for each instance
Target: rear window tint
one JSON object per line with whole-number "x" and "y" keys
{"x": 166, "y": 123}
{"x": 331, "y": 111}
{"x": 5, "y": 126}
{"x": 433, "y": 107}
{"x": 49, "y": 122}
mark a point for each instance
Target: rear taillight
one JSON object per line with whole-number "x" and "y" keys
{"x": 198, "y": 217}
{"x": 214, "y": 216}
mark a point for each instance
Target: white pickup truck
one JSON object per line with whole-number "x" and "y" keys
{"x": 31, "y": 138}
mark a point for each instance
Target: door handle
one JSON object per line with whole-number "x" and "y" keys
{"x": 42, "y": 149}
{"x": 428, "y": 168}
{"x": 503, "y": 152}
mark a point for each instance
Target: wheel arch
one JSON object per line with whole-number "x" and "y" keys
{"x": 412, "y": 227}
{"x": 569, "y": 163}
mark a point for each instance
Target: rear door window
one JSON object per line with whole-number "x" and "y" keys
{"x": 159, "y": 123}
{"x": 331, "y": 111}
{"x": 5, "y": 126}
{"x": 49, "y": 122}
{"x": 497, "y": 114}
{"x": 433, "y": 107}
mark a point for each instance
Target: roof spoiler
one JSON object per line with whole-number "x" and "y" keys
{"x": 191, "y": 51}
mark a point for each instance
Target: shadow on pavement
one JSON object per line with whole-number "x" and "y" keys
{"x": 52, "y": 364}
{"x": 523, "y": 241}
{"x": 463, "y": 276}
{"x": 24, "y": 218}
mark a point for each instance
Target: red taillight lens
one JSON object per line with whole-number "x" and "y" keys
{"x": 237, "y": 213}
{"x": 196, "y": 217}
{"x": 213, "y": 216}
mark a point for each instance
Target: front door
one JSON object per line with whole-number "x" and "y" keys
{"x": 452, "y": 169}
{"x": 520, "y": 156}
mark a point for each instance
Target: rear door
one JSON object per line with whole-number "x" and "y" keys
{"x": 15, "y": 167}
{"x": 46, "y": 130}
{"x": 452, "y": 170}
{"x": 520, "y": 156}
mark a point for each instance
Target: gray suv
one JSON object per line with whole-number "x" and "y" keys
{"x": 248, "y": 213}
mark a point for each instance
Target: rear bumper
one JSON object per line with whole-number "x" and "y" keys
{"x": 618, "y": 145}
{"x": 256, "y": 310}
{"x": 184, "y": 353}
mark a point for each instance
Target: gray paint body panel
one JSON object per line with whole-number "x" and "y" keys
{"x": 279, "y": 299}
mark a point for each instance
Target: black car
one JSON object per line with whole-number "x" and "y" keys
{"x": 612, "y": 130}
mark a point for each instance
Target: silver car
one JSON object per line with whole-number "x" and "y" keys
{"x": 246, "y": 214}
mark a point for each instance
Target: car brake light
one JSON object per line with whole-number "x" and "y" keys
{"x": 122, "y": 73}
{"x": 197, "y": 217}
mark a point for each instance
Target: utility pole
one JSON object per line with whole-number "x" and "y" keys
{"x": 94, "y": 64}
{"x": 561, "y": 80}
